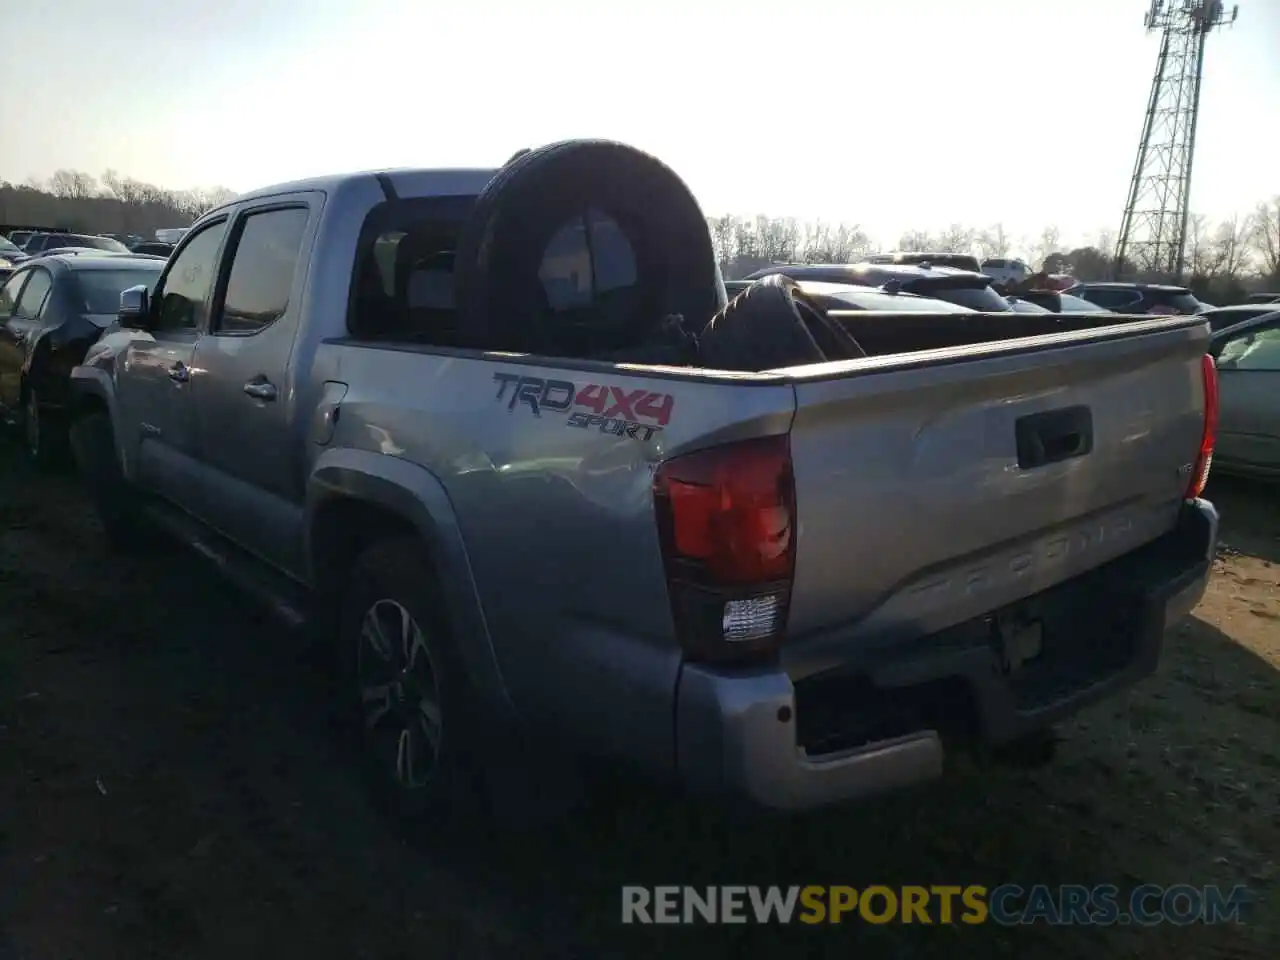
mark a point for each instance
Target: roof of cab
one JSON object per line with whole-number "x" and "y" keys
{"x": 407, "y": 181}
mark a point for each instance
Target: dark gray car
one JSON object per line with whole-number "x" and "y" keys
{"x": 52, "y": 309}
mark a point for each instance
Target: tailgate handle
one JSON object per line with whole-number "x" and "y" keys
{"x": 1053, "y": 436}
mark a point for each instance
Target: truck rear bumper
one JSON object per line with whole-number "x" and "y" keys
{"x": 880, "y": 721}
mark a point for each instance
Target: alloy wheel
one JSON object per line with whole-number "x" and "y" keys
{"x": 399, "y": 695}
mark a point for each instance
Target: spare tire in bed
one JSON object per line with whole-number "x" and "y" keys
{"x": 556, "y": 203}
{"x": 772, "y": 324}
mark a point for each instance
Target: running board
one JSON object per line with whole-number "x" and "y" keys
{"x": 284, "y": 598}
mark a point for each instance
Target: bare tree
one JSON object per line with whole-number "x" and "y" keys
{"x": 826, "y": 244}
{"x": 1049, "y": 242}
{"x": 956, "y": 239}
{"x": 1199, "y": 250}
{"x": 916, "y": 240}
{"x": 1106, "y": 241}
{"x": 993, "y": 242}
{"x": 722, "y": 232}
{"x": 72, "y": 185}
{"x": 1265, "y": 233}
{"x": 1230, "y": 252}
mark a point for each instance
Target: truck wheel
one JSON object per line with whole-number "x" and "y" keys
{"x": 45, "y": 443}
{"x": 94, "y": 449}
{"x": 401, "y": 684}
{"x": 770, "y": 324}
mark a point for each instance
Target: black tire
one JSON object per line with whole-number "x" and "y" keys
{"x": 44, "y": 437}
{"x": 501, "y": 244}
{"x": 771, "y": 324}
{"x": 92, "y": 442}
{"x": 391, "y": 576}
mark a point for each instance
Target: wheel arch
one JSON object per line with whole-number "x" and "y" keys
{"x": 356, "y": 498}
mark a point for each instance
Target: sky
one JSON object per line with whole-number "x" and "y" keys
{"x": 913, "y": 114}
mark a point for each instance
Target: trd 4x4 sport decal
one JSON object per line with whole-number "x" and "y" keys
{"x": 618, "y": 411}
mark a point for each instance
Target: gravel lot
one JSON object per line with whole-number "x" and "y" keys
{"x": 171, "y": 786}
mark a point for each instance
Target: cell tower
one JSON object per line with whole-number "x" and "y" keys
{"x": 1154, "y": 230}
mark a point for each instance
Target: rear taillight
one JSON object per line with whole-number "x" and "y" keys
{"x": 727, "y": 522}
{"x": 1204, "y": 460}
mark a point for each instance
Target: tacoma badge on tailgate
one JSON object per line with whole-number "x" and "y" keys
{"x": 615, "y": 410}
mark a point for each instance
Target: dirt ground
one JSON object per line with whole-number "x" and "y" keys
{"x": 171, "y": 786}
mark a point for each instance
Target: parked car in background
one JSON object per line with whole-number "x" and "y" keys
{"x": 840, "y": 296}
{"x": 128, "y": 239}
{"x": 1263, "y": 298}
{"x": 92, "y": 252}
{"x": 20, "y": 233}
{"x": 48, "y": 241}
{"x": 1158, "y": 298}
{"x": 1222, "y": 317}
{"x": 963, "y": 287}
{"x": 71, "y": 252}
{"x": 52, "y": 309}
{"x": 153, "y": 248}
{"x": 1005, "y": 271}
{"x": 1248, "y": 357}
{"x": 171, "y": 234}
{"x": 1056, "y": 302}
{"x": 960, "y": 261}
{"x": 1026, "y": 306}
{"x": 10, "y": 252}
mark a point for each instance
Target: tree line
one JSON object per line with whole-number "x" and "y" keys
{"x": 81, "y": 203}
{"x": 1223, "y": 259}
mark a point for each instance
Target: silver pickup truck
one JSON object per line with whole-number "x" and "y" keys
{"x": 413, "y": 408}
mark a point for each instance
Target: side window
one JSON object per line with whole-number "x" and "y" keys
{"x": 402, "y": 286}
{"x": 34, "y": 295}
{"x": 185, "y": 289}
{"x": 264, "y": 260}
{"x": 1112, "y": 299}
{"x": 9, "y": 294}
{"x": 1257, "y": 350}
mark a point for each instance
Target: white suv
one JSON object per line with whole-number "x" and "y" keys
{"x": 1005, "y": 272}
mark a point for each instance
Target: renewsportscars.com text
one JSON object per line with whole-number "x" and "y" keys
{"x": 1008, "y": 904}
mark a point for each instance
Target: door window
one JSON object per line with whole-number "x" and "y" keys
{"x": 264, "y": 262}
{"x": 185, "y": 289}
{"x": 1256, "y": 350}
{"x": 1111, "y": 298}
{"x": 9, "y": 294}
{"x": 34, "y": 294}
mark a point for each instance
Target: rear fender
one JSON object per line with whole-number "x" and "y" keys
{"x": 413, "y": 494}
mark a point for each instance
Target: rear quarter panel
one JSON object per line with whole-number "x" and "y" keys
{"x": 556, "y": 511}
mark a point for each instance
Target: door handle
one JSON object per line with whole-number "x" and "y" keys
{"x": 260, "y": 389}
{"x": 1053, "y": 436}
{"x": 179, "y": 372}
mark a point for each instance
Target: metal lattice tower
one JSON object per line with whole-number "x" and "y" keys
{"x": 1153, "y": 232}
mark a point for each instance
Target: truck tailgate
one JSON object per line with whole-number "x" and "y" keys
{"x": 934, "y": 487}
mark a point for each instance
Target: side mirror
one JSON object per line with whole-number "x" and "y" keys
{"x": 135, "y": 308}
